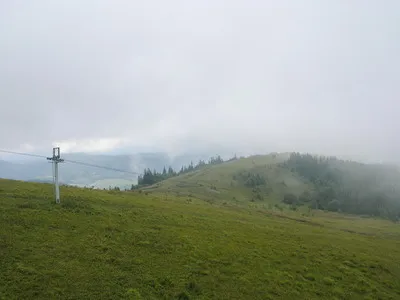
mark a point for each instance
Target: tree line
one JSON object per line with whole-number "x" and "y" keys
{"x": 150, "y": 177}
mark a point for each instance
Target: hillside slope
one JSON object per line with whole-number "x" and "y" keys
{"x": 294, "y": 180}
{"x": 225, "y": 182}
{"x": 106, "y": 244}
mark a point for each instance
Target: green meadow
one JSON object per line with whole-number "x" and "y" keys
{"x": 157, "y": 245}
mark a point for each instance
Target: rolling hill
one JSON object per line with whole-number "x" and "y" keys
{"x": 217, "y": 182}
{"x": 139, "y": 245}
{"x": 293, "y": 181}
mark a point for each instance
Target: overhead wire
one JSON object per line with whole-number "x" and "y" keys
{"x": 71, "y": 161}
{"x": 24, "y": 154}
{"x": 98, "y": 166}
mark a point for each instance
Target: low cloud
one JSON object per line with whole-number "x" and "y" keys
{"x": 180, "y": 76}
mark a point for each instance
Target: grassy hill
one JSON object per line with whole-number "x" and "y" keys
{"x": 140, "y": 245}
{"x": 311, "y": 181}
{"x": 222, "y": 182}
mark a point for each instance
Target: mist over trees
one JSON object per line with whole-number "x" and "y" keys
{"x": 346, "y": 186}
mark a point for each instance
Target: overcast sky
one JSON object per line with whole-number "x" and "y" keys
{"x": 256, "y": 76}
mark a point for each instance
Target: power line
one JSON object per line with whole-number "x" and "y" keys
{"x": 56, "y": 159}
{"x": 71, "y": 161}
{"x": 24, "y": 154}
{"x": 97, "y": 166}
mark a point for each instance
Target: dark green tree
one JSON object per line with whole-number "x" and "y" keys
{"x": 290, "y": 199}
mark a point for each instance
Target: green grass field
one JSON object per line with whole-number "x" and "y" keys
{"x": 129, "y": 245}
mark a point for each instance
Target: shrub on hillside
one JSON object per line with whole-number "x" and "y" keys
{"x": 257, "y": 197}
{"x": 249, "y": 179}
{"x": 305, "y": 197}
{"x": 290, "y": 199}
{"x": 334, "y": 205}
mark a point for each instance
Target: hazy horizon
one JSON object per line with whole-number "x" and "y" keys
{"x": 236, "y": 76}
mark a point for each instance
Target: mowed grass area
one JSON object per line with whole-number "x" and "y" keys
{"x": 125, "y": 245}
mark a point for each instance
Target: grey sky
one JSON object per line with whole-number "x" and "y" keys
{"x": 319, "y": 76}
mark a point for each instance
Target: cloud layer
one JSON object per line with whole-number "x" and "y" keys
{"x": 183, "y": 75}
